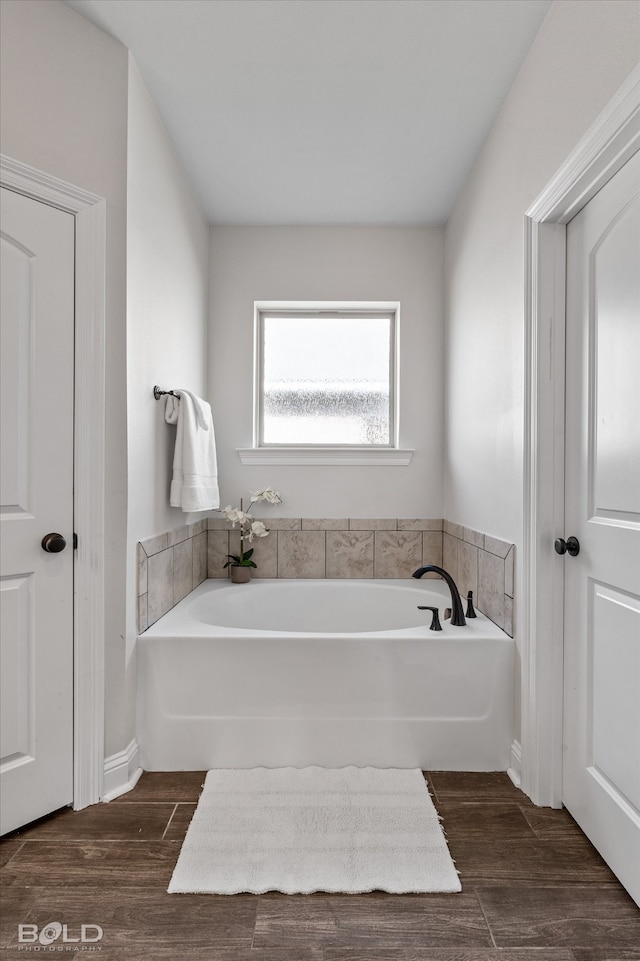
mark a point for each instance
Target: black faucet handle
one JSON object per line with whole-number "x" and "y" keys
{"x": 435, "y": 620}
{"x": 470, "y": 610}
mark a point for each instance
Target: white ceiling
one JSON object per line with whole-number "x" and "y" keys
{"x": 325, "y": 111}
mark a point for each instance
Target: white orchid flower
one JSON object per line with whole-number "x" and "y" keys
{"x": 235, "y": 516}
{"x": 249, "y": 528}
{"x": 268, "y": 494}
{"x": 258, "y": 530}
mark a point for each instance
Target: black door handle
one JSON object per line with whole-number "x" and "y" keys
{"x": 53, "y": 543}
{"x": 570, "y": 546}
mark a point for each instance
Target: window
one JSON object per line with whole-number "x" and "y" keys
{"x": 326, "y": 377}
{"x": 326, "y": 385}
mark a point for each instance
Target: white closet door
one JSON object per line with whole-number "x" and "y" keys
{"x": 601, "y": 783}
{"x": 36, "y": 487}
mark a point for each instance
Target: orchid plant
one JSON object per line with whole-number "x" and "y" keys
{"x": 249, "y": 528}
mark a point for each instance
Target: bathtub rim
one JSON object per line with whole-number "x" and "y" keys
{"x": 180, "y": 623}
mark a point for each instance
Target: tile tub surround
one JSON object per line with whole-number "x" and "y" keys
{"x": 482, "y": 564}
{"x": 173, "y": 564}
{"x": 333, "y": 547}
{"x": 170, "y": 566}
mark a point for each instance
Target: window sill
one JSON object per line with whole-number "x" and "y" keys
{"x": 325, "y": 456}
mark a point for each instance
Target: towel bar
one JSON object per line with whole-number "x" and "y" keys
{"x": 158, "y": 393}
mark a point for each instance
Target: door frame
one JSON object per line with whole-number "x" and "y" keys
{"x": 89, "y": 212}
{"x": 605, "y": 148}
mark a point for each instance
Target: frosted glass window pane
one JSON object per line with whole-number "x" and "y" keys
{"x": 326, "y": 380}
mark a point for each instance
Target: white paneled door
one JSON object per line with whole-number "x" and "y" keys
{"x": 36, "y": 488}
{"x": 601, "y": 779}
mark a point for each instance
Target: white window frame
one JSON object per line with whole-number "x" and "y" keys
{"x": 336, "y": 454}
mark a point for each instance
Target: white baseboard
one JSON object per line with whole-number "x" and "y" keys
{"x": 121, "y": 771}
{"x": 515, "y": 768}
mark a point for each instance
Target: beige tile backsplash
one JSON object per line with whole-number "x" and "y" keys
{"x": 485, "y": 565}
{"x": 170, "y": 566}
{"x": 397, "y": 553}
{"x": 173, "y": 564}
{"x": 301, "y": 553}
{"x": 349, "y": 553}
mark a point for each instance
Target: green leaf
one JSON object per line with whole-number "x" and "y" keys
{"x": 236, "y": 560}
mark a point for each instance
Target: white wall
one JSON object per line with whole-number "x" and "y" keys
{"x": 584, "y": 51}
{"x": 64, "y": 111}
{"x": 167, "y": 307}
{"x": 331, "y": 263}
{"x": 582, "y": 54}
{"x": 73, "y": 106}
{"x": 167, "y": 323}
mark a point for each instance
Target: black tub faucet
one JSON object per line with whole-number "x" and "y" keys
{"x": 457, "y": 614}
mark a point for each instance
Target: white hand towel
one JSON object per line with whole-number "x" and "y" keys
{"x": 195, "y": 470}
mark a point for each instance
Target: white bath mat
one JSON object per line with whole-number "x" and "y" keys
{"x": 299, "y": 830}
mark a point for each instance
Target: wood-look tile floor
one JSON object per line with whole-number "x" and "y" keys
{"x": 533, "y": 889}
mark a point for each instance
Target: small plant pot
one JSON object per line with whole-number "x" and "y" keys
{"x": 240, "y": 575}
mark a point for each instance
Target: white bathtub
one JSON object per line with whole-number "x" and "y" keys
{"x": 327, "y": 672}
